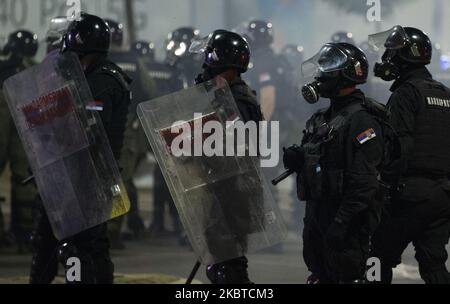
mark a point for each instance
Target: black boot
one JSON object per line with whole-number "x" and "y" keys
{"x": 229, "y": 272}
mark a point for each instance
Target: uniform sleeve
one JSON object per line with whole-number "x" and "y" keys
{"x": 364, "y": 154}
{"x": 109, "y": 92}
{"x": 403, "y": 107}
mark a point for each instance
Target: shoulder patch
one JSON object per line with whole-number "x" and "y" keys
{"x": 366, "y": 136}
{"x": 95, "y": 105}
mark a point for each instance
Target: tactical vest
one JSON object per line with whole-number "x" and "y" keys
{"x": 431, "y": 153}
{"x": 322, "y": 177}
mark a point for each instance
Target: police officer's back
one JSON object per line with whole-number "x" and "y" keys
{"x": 89, "y": 38}
{"x": 227, "y": 55}
{"x": 420, "y": 113}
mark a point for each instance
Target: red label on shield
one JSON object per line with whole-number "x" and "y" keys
{"x": 169, "y": 136}
{"x": 48, "y": 107}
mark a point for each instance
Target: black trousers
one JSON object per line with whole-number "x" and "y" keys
{"x": 161, "y": 198}
{"x": 421, "y": 215}
{"x": 91, "y": 247}
{"x": 328, "y": 265}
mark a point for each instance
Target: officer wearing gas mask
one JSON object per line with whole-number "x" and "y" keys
{"x": 337, "y": 166}
{"x": 227, "y": 55}
{"x": 420, "y": 113}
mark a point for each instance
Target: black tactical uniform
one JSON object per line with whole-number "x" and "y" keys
{"x": 231, "y": 53}
{"x": 110, "y": 88}
{"x": 143, "y": 88}
{"x": 340, "y": 181}
{"x": 338, "y": 165}
{"x": 21, "y": 47}
{"x": 420, "y": 113}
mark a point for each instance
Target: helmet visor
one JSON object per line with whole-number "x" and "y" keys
{"x": 199, "y": 45}
{"x": 329, "y": 59}
{"x": 393, "y": 39}
{"x": 58, "y": 27}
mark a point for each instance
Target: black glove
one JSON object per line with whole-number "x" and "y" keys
{"x": 294, "y": 158}
{"x": 336, "y": 234}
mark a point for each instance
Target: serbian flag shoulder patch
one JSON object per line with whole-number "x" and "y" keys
{"x": 95, "y": 105}
{"x": 366, "y": 136}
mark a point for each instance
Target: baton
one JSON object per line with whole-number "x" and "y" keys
{"x": 27, "y": 180}
{"x": 193, "y": 272}
{"x": 282, "y": 177}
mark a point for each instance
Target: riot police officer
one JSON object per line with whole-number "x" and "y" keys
{"x": 420, "y": 113}
{"x": 135, "y": 146}
{"x": 227, "y": 55}
{"x": 176, "y": 73}
{"x": 268, "y": 75}
{"x": 89, "y": 38}
{"x": 337, "y": 166}
{"x": 267, "y": 71}
{"x": 145, "y": 50}
{"x": 343, "y": 37}
{"x": 20, "y": 48}
{"x": 178, "y": 56}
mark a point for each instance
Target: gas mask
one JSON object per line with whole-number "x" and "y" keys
{"x": 334, "y": 68}
{"x": 209, "y": 73}
{"x": 388, "y": 69}
{"x": 326, "y": 87}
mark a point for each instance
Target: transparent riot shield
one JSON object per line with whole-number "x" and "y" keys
{"x": 224, "y": 202}
{"x": 67, "y": 147}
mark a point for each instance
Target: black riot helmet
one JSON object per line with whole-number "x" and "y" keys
{"x": 116, "y": 30}
{"x": 337, "y": 66}
{"x": 294, "y": 54}
{"x": 343, "y": 37}
{"x": 21, "y": 44}
{"x": 88, "y": 35}
{"x": 144, "y": 49}
{"x": 223, "y": 50}
{"x": 260, "y": 33}
{"x": 178, "y": 42}
{"x": 404, "y": 48}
